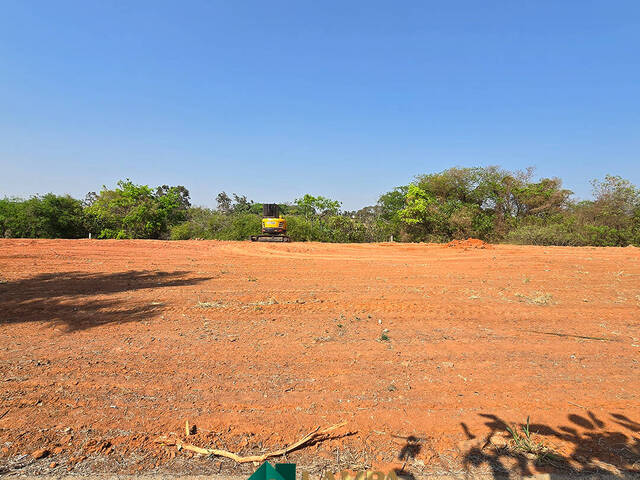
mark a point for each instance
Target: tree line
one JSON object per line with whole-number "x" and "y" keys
{"x": 490, "y": 203}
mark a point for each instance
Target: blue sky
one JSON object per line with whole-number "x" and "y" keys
{"x": 341, "y": 98}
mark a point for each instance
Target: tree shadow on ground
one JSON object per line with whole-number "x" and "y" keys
{"x": 78, "y": 300}
{"x": 592, "y": 448}
{"x": 408, "y": 452}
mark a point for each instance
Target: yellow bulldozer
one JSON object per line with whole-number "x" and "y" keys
{"x": 274, "y": 227}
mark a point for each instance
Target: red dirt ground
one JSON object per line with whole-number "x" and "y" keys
{"x": 424, "y": 350}
{"x": 468, "y": 243}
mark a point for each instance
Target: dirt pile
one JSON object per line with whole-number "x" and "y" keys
{"x": 468, "y": 243}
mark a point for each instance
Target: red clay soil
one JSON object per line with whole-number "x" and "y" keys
{"x": 425, "y": 351}
{"x": 468, "y": 243}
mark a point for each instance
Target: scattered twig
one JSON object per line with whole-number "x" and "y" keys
{"x": 315, "y": 434}
{"x": 584, "y": 337}
{"x": 577, "y": 405}
{"x": 4, "y": 413}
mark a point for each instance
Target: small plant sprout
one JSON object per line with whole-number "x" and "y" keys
{"x": 522, "y": 442}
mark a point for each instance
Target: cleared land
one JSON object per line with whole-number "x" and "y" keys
{"x": 426, "y": 351}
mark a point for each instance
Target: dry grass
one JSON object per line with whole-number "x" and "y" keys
{"x": 211, "y": 305}
{"x": 271, "y": 301}
{"x": 537, "y": 298}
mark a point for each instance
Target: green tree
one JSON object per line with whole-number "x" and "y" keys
{"x": 315, "y": 211}
{"x": 241, "y": 204}
{"x": 616, "y": 202}
{"x": 485, "y": 202}
{"x": 240, "y": 227}
{"x": 8, "y": 216}
{"x": 392, "y": 202}
{"x": 313, "y": 207}
{"x": 224, "y": 202}
{"x": 344, "y": 229}
{"x": 136, "y": 211}
{"x": 47, "y": 216}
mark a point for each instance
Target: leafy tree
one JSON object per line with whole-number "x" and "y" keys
{"x": 344, "y": 229}
{"x": 302, "y": 229}
{"x": 542, "y": 199}
{"x": 241, "y": 204}
{"x": 8, "y": 217}
{"x": 242, "y": 226}
{"x": 180, "y": 192}
{"x": 383, "y": 219}
{"x": 63, "y": 216}
{"x": 47, "y": 216}
{"x": 315, "y": 211}
{"x": 485, "y": 202}
{"x": 392, "y": 202}
{"x": 237, "y": 204}
{"x": 224, "y": 202}
{"x": 89, "y": 199}
{"x": 617, "y": 202}
{"x": 136, "y": 211}
{"x": 173, "y": 203}
{"x": 422, "y": 210}
{"x": 313, "y": 207}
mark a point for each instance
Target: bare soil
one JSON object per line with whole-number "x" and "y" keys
{"x": 428, "y": 352}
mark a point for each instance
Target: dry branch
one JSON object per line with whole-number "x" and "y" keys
{"x": 315, "y": 434}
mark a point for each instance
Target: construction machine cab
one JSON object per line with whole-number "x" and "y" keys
{"x": 270, "y": 210}
{"x": 274, "y": 227}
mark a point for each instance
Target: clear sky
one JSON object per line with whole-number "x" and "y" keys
{"x": 347, "y": 99}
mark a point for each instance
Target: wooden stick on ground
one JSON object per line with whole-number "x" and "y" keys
{"x": 309, "y": 437}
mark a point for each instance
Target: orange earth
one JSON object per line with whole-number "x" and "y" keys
{"x": 427, "y": 352}
{"x": 468, "y": 243}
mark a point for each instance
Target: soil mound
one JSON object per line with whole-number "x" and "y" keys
{"x": 468, "y": 243}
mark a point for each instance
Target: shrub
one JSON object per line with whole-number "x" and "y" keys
{"x": 182, "y": 232}
{"x": 555, "y": 234}
{"x": 301, "y": 229}
{"x": 137, "y": 211}
{"x": 47, "y": 216}
{"x": 343, "y": 229}
{"x": 241, "y": 227}
{"x": 604, "y": 236}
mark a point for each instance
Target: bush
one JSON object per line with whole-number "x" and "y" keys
{"x": 347, "y": 230}
{"x": 604, "y": 236}
{"x": 137, "y": 211}
{"x": 572, "y": 235}
{"x": 201, "y": 223}
{"x": 47, "y": 216}
{"x": 302, "y": 229}
{"x": 555, "y": 234}
{"x": 182, "y": 232}
{"x": 212, "y": 225}
{"x": 241, "y": 227}
{"x": 485, "y": 202}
